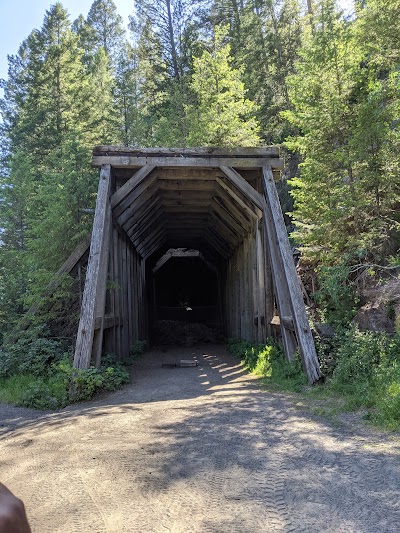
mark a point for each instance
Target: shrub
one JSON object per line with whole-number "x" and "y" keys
{"x": 53, "y": 393}
{"x": 50, "y": 394}
{"x": 336, "y": 295}
{"x": 86, "y": 383}
{"x": 268, "y": 361}
{"x": 33, "y": 353}
{"x": 358, "y": 355}
{"x": 388, "y": 405}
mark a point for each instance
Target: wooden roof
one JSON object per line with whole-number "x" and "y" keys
{"x": 203, "y": 198}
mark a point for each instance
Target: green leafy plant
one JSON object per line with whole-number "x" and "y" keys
{"x": 268, "y": 361}
{"x": 138, "y": 349}
{"x": 33, "y": 353}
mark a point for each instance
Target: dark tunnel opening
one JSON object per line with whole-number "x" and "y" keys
{"x": 186, "y": 302}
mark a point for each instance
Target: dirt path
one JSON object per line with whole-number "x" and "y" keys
{"x": 197, "y": 450}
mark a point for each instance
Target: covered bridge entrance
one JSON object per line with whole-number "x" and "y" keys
{"x": 189, "y": 231}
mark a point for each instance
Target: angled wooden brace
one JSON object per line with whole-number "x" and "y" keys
{"x": 281, "y": 290}
{"x": 285, "y": 273}
{"x": 94, "y": 293}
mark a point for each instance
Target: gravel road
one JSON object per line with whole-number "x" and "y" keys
{"x": 197, "y": 450}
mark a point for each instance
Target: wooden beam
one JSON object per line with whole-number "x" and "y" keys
{"x": 282, "y": 295}
{"x": 132, "y": 196}
{"x": 187, "y": 185}
{"x": 241, "y": 216}
{"x": 66, "y": 268}
{"x": 152, "y": 236}
{"x": 84, "y": 341}
{"x": 144, "y": 229}
{"x": 217, "y": 244}
{"x": 236, "y": 197}
{"x": 140, "y": 213}
{"x": 219, "y": 207}
{"x": 182, "y": 174}
{"x": 117, "y": 161}
{"x": 174, "y": 253}
{"x": 74, "y": 258}
{"x": 206, "y": 151}
{"x": 143, "y": 222}
{"x": 244, "y": 187}
{"x": 301, "y": 325}
{"x": 223, "y": 229}
{"x": 131, "y": 184}
{"x": 154, "y": 247}
{"x": 107, "y": 322}
{"x": 102, "y": 289}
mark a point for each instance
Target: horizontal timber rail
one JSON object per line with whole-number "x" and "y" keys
{"x": 124, "y": 157}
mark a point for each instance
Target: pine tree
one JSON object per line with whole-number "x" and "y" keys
{"x": 104, "y": 120}
{"x": 222, "y": 116}
{"x": 325, "y": 199}
{"x": 48, "y": 122}
{"x": 105, "y": 28}
{"x": 127, "y": 97}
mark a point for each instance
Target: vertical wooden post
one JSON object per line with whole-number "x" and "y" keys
{"x": 98, "y": 253}
{"x": 101, "y": 290}
{"x": 259, "y": 286}
{"x": 281, "y": 247}
{"x": 282, "y": 294}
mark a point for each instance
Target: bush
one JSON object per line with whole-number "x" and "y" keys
{"x": 50, "y": 394}
{"x": 367, "y": 373}
{"x": 268, "y": 361}
{"x": 86, "y": 383}
{"x": 357, "y": 354}
{"x": 388, "y": 405}
{"x": 336, "y": 296}
{"x": 33, "y": 353}
{"x": 35, "y": 372}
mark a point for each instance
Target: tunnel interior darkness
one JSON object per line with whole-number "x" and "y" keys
{"x": 186, "y": 289}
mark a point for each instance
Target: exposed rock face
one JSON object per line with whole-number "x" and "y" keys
{"x": 324, "y": 330}
{"x": 381, "y": 309}
{"x": 374, "y": 317}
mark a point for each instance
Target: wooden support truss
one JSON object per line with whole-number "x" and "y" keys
{"x": 186, "y": 198}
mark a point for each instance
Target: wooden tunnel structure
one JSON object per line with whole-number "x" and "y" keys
{"x": 217, "y": 206}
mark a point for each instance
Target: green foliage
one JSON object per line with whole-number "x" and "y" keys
{"x": 12, "y": 388}
{"x": 363, "y": 368}
{"x": 221, "y": 115}
{"x": 358, "y": 354}
{"x": 257, "y": 358}
{"x": 45, "y": 394}
{"x": 366, "y": 371}
{"x": 138, "y": 349}
{"x": 33, "y": 353}
{"x": 268, "y": 361}
{"x": 388, "y": 401}
{"x": 344, "y": 101}
{"x": 36, "y": 372}
{"x": 86, "y": 383}
{"x": 51, "y": 390}
{"x": 335, "y": 296}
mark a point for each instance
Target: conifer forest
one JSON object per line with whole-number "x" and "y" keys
{"x": 322, "y": 85}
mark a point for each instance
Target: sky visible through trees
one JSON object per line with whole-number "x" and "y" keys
{"x": 18, "y": 18}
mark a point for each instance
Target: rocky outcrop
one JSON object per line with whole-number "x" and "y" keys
{"x": 381, "y": 310}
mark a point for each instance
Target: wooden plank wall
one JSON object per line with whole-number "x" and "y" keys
{"x": 249, "y": 303}
{"x": 126, "y": 304}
